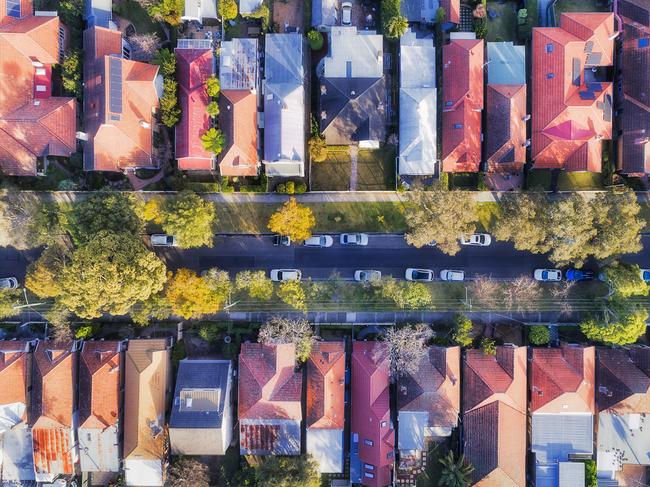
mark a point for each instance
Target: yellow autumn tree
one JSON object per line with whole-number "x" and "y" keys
{"x": 293, "y": 220}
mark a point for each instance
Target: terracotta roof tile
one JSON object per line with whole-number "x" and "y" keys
{"x": 623, "y": 380}
{"x": 99, "y": 384}
{"x": 326, "y": 386}
{"x": 452, "y": 10}
{"x": 505, "y": 138}
{"x": 14, "y": 372}
{"x": 572, "y": 107}
{"x": 238, "y": 120}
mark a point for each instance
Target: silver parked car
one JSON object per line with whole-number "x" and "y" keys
{"x": 354, "y": 239}
{"x": 450, "y": 275}
{"x": 319, "y": 241}
{"x": 279, "y": 275}
{"x": 367, "y": 276}
{"x": 419, "y": 275}
{"x": 8, "y": 283}
{"x": 163, "y": 240}
{"x": 477, "y": 240}
{"x": 546, "y": 275}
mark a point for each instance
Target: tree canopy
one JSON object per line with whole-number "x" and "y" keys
{"x": 188, "y": 217}
{"x": 191, "y": 296}
{"x": 406, "y": 347}
{"x": 227, "y": 9}
{"x": 396, "y": 26}
{"x": 406, "y": 295}
{"x": 293, "y": 220}
{"x": 293, "y": 294}
{"x": 285, "y": 330}
{"x": 43, "y": 274}
{"x": 213, "y": 140}
{"x": 255, "y": 283}
{"x": 462, "y": 330}
{"x": 443, "y": 216}
{"x": 627, "y": 325}
{"x": 625, "y": 280}
{"x": 277, "y": 471}
{"x": 8, "y": 299}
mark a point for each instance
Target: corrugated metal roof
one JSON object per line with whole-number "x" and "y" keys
{"x": 17, "y": 460}
{"x": 556, "y": 436}
{"x": 623, "y": 439}
{"x": 326, "y": 446}
{"x": 571, "y": 474}
{"x": 358, "y": 51}
{"x": 238, "y": 64}
{"x": 506, "y": 63}
{"x": 53, "y": 449}
{"x": 99, "y": 449}
{"x": 411, "y": 430}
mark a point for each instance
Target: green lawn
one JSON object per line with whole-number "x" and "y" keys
{"x": 332, "y": 174}
{"x": 138, "y": 16}
{"x": 580, "y": 6}
{"x": 488, "y": 214}
{"x": 376, "y": 169}
{"x": 504, "y": 26}
{"x": 538, "y": 179}
{"x": 579, "y": 181}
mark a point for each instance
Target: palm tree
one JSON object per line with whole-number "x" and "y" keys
{"x": 396, "y": 27}
{"x": 455, "y": 473}
{"x": 213, "y": 140}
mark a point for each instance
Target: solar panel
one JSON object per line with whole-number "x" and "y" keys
{"x": 115, "y": 85}
{"x": 594, "y": 86}
{"x": 13, "y": 8}
{"x": 587, "y": 95}
{"x": 644, "y": 42}
{"x": 194, "y": 44}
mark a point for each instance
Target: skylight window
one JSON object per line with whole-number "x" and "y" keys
{"x": 458, "y": 125}
{"x": 550, "y": 76}
{"x": 13, "y": 8}
{"x": 549, "y": 48}
{"x": 644, "y": 42}
{"x": 368, "y": 442}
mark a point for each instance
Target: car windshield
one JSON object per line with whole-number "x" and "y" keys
{"x": 480, "y": 239}
{"x": 421, "y": 275}
{"x": 544, "y": 274}
{"x": 646, "y": 275}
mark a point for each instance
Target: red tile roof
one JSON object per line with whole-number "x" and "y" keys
{"x": 52, "y": 407}
{"x": 623, "y": 380}
{"x": 452, "y": 10}
{"x": 117, "y": 141}
{"x": 494, "y": 404}
{"x": 371, "y": 410}
{"x": 326, "y": 386}
{"x": 193, "y": 67}
{"x": 31, "y": 127}
{"x": 238, "y": 120}
{"x": 562, "y": 380}
{"x": 14, "y": 373}
{"x": 570, "y": 116}
{"x": 462, "y": 85}
{"x": 505, "y": 138}
{"x": 434, "y": 387}
{"x": 99, "y": 384}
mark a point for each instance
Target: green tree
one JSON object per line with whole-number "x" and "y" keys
{"x": 189, "y": 218}
{"x": 255, "y": 283}
{"x": 261, "y": 12}
{"x": 462, "y": 330}
{"x": 539, "y": 335}
{"x": 455, "y": 471}
{"x": 625, "y": 280}
{"x": 315, "y": 39}
{"x": 523, "y": 221}
{"x": 570, "y": 230}
{"x": 227, "y": 9}
{"x": 109, "y": 274}
{"x": 488, "y": 346}
{"x": 396, "y": 27}
{"x": 626, "y": 327}
{"x": 213, "y": 140}
{"x": 213, "y": 86}
{"x": 443, "y": 216}
{"x": 104, "y": 211}
{"x": 47, "y": 224}
{"x": 293, "y": 294}
{"x": 317, "y": 148}
{"x": 8, "y": 300}
{"x": 43, "y": 274}
{"x": 71, "y": 69}
{"x": 406, "y": 295}
{"x": 167, "y": 62}
{"x": 85, "y": 332}
{"x": 293, "y": 220}
{"x": 219, "y": 282}
{"x": 169, "y": 11}
{"x": 155, "y": 307}
{"x": 191, "y": 296}
{"x": 618, "y": 224}
{"x": 170, "y": 113}
{"x": 299, "y": 332}
{"x": 441, "y": 14}
{"x": 212, "y": 109}
{"x": 277, "y": 471}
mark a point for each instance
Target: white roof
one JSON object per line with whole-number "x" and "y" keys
{"x": 556, "y": 436}
{"x": 248, "y": 6}
{"x": 238, "y": 64}
{"x": 199, "y": 10}
{"x": 143, "y": 473}
{"x": 16, "y": 455}
{"x": 11, "y": 414}
{"x": 354, "y": 54}
{"x": 326, "y": 446}
{"x": 411, "y": 429}
{"x": 506, "y": 63}
{"x": 622, "y": 439}
{"x": 98, "y": 449}
{"x": 418, "y": 104}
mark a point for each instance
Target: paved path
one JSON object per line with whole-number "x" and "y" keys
{"x": 354, "y": 159}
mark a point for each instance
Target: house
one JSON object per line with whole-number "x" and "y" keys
{"x": 428, "y": 402}
{"x": 353, "y": 91}
{"x": 418, "y": 107}
{"x": 494, "y": 416}
{"x": 284, "y": 105}
{"x": 120, "y": 98}
{"x": 194, "y": 65}
{"x": 572, "y": 92}
{"x": 425, "y": 11}
{"x": 326, "y": 405}
{"x": 34, "y": 125}
{"x": 270, "y": 391}
{"x": 54, "y": 410}
{"x": 324, "y": 14}
{"x": 147, "y": 384}
{"x": 238, "y": 74}
{"x": 505, "y": 134}
{"x": 372, "y": 437}
{"x": 98, "y": 13}
{"x": 201, "y": 419}
{"x": 562, "y": 405}
{"x": 100, "y": 384}
{"x": 623, "y": 401}
{"x": 462, "y": 92}
{"x": 16, "y": 461}
{"x": 249, "y": 6}
{"x": 634, "y": 111}
{"x": 197, "y": 10}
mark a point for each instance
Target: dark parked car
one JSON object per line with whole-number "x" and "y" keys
{"x": 282, "y": 240}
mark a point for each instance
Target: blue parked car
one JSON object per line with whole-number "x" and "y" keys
{"x": 579, "y": 275}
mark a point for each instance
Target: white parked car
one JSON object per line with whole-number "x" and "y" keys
{"x": 163, "y": 240}
{"x": 319, "y": 241}
{"x": 449, "y": 275}
{"x": 545, "y": 275}
{"x": 477, "y": 239}
{"x": 419, "y": 275}
{"x": 346, "y": 18}
{"x": 8, "y": 283}
{"x": 367, "y": 276}
{"x": 354, "y": 239}
{"x": 279, "y": 275}
{"x": 645, "y": 275}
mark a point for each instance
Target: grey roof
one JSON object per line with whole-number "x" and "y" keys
{"x": 326, "y": 446}
{"x": 198, "y": 10}
{"x": 98, "y": 13}
{"x": 623, "y": 439}
{"x": 16, "y": 456}
{"x": 99, "y": 449}
{"x": 200, "y": 396}
{"x": 323, "y": 12}
{"x": 556, "y": 436}
{"x": 238, "y": 64}
{"x": 571, "y": 474}
{"x": 506, "y": 63}
{"x": 418, "y": 106}
{"x": 284, "y": 105}
{"x": 354, "y": 54}
{"x": 419, "y": 10}
{"x": 411, "y": 429}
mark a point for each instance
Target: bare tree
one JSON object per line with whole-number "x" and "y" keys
{"x": 561, "y": 293}
{"x": 406, "y": 346}
{"x": 285, "y": 330}
{"x": 522, "y": 293}
{"x": 188, "y": 472}
{"x": 144, "y": 46}
{"x": 485, "y": 291}
{"x": 60, "y": 326}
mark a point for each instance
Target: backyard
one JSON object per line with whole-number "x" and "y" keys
{"x": 580, "y": 6}
{"x": 502, "y": 21}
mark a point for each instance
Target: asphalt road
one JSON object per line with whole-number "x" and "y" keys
{"x": 387, "y": 253}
